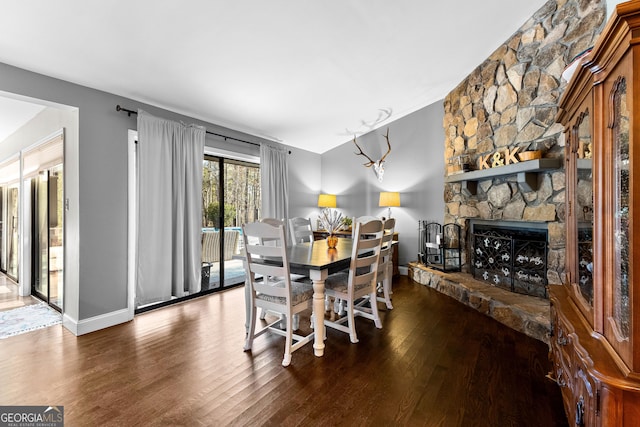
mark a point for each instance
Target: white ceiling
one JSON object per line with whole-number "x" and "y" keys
{"x": 307, "y": 73}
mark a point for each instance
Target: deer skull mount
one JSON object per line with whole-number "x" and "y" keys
{"x": 378, "y": 165}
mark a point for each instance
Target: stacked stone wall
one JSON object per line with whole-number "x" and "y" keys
{"x": 511, "y": 100}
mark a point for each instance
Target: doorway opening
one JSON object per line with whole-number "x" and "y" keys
{"x": 43, "y": 183}
{"x": 32, "y": 218}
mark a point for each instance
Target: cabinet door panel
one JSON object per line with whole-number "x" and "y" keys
{"x": 584, "y": 211}
{"x": 619, "y": 212}
{"x": 580, "y": 209}
{"x": 620, "y": 135}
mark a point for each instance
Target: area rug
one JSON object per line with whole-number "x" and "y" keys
{"x": 26, "y": 319}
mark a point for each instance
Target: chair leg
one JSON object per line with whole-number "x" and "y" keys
{"x": 341, "y": 307}
{"x": 247, "y": 306}
{"x": 288, "y": 341}
{"x": 296, "y": 322}
{"x": 386, "y": 288}
{"x": 252, "y": 328}
{"x": 352, "y": 324}
{"x": 374, "y": 310}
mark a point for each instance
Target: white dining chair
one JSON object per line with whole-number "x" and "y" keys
{"x": 385, "y": 266}
{"x": 276, "y": 223}
{"x": 300, "y": 229}
{"x": 295, "y": 277}
{"x": 360, "y": 219}
{"x": 276, "y": 291}
{"x": 359, "y": 281}
{"x": 339, "y": 305}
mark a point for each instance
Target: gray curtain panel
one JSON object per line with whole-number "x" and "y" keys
{"x": 170, "y": 157}
{"x": 274, "y": 182}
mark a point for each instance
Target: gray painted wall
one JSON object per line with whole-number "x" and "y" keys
{"x": 304, "y": 183}
{"x": 415, "y": 168}
{"x": 96, "y": 186}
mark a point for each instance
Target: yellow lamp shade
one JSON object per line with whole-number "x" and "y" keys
{"x": 389, "y": 199}
{"x": 327, "y": 201}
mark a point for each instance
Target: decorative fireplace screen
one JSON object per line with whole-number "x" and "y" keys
{"x": 511, "y": 258}
{"x": 440, "y": 245}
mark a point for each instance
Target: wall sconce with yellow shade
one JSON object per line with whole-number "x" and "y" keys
{"x": 389, "y": 199}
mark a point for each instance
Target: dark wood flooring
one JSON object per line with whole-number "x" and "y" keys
{"x": 436, "y": 362}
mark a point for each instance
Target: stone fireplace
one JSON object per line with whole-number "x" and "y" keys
{"x": 506, "y": 106}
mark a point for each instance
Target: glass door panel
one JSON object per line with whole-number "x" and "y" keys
{"x": 48, "y": 261}
{"x": 621, "y": 307}
{"x": 584, "y": 210}
{"x": 13, "y": 232}
{"x": 41, "y": 235}
{"x": 239, "y": 196}
{"x": 56, "y": 236}
{"x": 210, "y": 223}
{"x": 241, "y": 205}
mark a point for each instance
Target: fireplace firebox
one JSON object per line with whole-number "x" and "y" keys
{"x": 510, "y": 255}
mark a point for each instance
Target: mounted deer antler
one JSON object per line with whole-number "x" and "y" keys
{"x": 378, "y": 166}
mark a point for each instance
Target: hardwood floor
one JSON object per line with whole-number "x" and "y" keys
{"x": 9, "y": 295}
{"x": 436, "y": 362}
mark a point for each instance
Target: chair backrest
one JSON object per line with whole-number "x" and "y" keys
{"x": 300, "y": 230}
{"x": 365, "y": 256}
{"x": 388, "y": 228}
{"x": 264, "y": 241}
{"x": 275, "y": 223}
{"x": 360, "y": 219}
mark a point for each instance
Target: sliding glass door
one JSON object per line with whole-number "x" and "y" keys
{"x": 47, "y": 208}
{"x": 234, "y": 185}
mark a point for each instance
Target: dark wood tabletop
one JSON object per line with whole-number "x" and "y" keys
{"x": 316, "y": 255}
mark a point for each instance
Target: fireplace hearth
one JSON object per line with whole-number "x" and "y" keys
{"x": 510, "y": 255}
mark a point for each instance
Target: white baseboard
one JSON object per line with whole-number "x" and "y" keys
{"x": 404, "y": 271}
{"x": 96, "y": 323}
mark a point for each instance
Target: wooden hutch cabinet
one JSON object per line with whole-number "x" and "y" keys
{"x": 595, "y": 315}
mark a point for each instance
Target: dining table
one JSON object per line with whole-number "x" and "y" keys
{"x": 317, "y": 261}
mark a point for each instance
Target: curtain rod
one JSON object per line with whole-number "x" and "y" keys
{"x": 130, "y": 112}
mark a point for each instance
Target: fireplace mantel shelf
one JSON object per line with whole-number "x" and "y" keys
{"x": 527, "y": 174}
